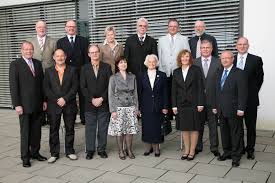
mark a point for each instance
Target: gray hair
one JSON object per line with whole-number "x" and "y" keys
{"x": 142, "y": 19}
{"x": 155, "y": 58}
{"x": 109, "y": 29}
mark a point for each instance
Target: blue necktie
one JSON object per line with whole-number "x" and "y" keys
{"x": 224, "y": 76}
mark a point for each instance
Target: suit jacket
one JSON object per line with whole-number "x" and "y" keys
{"x": 108, "y": 57}
{"x": 209, "y": 80}
{"x": 193, "y": 44}
{"x": 46, "y": 55}
{"x": 188, "y": 93}
{"x": 78, "y": 55}
{"x": 122, "y": 93}
{"x": 168, "y": 53}
{"x": 26, "y": 90}
{"x": 54, "y": 90}
{"x": 135, "y": 53}
{"x": 94, "y": 87}
{"x": 233, "y": 96}
{"x": 255, "y": 76}
{"x": 156, "y": 99}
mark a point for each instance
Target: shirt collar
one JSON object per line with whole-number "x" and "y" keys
{"x": 69, "y": 37}
{"x": 228, "y": 69}
{"x": 44, "y": 38}
{"x": 144, "y": 36}
{"x": 105, "y": 42}
{"x": 208, "y": 58}
{"x": 174, "y": 36}
{"x": 244, "y": 56}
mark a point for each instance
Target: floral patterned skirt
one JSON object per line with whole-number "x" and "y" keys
{"x": 126, "y": 122}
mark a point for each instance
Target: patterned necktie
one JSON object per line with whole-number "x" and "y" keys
{"x": 72, "y": 41}
{"x": 240, "y": 64}
{"x": 198, "y": 50}
{"x": 41, "y": 45}
{"x": 141, "y": 40}
{"x": 205, "y": 67}
{"x": 95, "y": 67}
{"x": 224, "y": 76}
{"x": 30, "y": 64}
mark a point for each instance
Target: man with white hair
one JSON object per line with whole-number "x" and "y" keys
{"x": 138, "y": 46}
{"x": 195, "y": 42}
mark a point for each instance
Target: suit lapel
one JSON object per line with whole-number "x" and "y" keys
{"x": 156, "y": 79}
{"x": 233, "y": 69}
{"x": 189, "y": 76}
{"x": 146, "y": 79}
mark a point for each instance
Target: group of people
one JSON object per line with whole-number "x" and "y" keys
{"x": 118, "y": 85}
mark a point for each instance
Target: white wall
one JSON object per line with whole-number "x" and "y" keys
{"x": 17, "y": 2}
{"x": 259, "y": 28}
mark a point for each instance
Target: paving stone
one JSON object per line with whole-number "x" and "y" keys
{"x": 264, "y": 133}
{"x": 265, "y": 140}
{"x": 17, "y": 178}
{"x": 265, "y": 166}
{"x": 206, "y": 179}
{"x": 176, "y": 177}
{"x": 40, "y": 179}
{"x": 146, "y": 180}
{"x": 81, "y": 162}
{"x": 209, "y": 170}
{"x": 244, "y": 163}
{"x": 9, "y": 162}
{"x": 36, "y": 165}
{"x": 114, "y": 165}
{"x": 270, "y": 149}
{"x": 176, "y": 165}
{"x": 147, "y": 161}
{"x": 4, "y": 172}
{"x": 271, "y": 178}
{"x": 111, "y": 177}
{"x": 80, "y": 175}
{"x": 247, "y": 175}
{"x": 53, "y": 170}
{"x": 260, "y": 147}
{"x": 265, "y": 157}
{"x": 146, "y": 172}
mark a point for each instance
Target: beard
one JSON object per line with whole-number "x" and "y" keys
{"x": 199, "y": 33}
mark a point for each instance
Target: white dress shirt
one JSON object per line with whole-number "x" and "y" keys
{"x": 69, "y": 37}
{"x": 184, "y": 72}
{"x": 239, "y": 59}
{"x": 152, "y": 76}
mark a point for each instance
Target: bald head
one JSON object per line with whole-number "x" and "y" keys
{"x": 71, "y": 27}
{"x": 227, "y": 58}
{"x": 242, "y": 45}
{"x": 199, "y": 27}
{"x": 41, "y": 28}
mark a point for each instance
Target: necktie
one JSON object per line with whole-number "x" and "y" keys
{"x": 198, "y": 51}
{"x": 141, "y": 40}
{"x": 205, "y": 67}
{"x": 41, "y": 45}
{"x": 72, "y": 41}
{"x": 224, "y": 76}
{"x": 240, "y": 65}
{"x": 172, "y": 41}
{"x": 30, "y": 64}
{"x": 95, "y": 67}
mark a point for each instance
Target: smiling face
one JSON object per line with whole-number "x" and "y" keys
{"x": 27, "y": 50}
{"x": 242, "y": 45}
{"x": 173, "y": 28}
{"x": 94, "y": 53}
{"x": 110, "y": 36}
{"x": 41, "y": 28}
{"x": 71, "y": 28}
{"x": 122, "y": 65}
{"x": 199, "y": 28}
{"x": 142, "y": 27}
{"x": 59, "y": 57}
{"x": 227, "y": 59}
{"x": 206, "y": 49}
{"x": 185, "y": 59}
{"x": 151, "y": 63}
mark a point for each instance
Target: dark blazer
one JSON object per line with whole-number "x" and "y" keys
{"x": 233, "y": 96}
{"x": 156, "y": 99}
{"x": 189, "y": 92}
{"x": 255, "y": 76}
{"x": 78, "y": 55}
{"x": 26, "y": 89}
{"x": 135, "y": 53}
{"x": 54, "y": 90}
{"x": 193, "y": 44}
{"x": 94, "y": 87}
{"x": 209, "y": 80}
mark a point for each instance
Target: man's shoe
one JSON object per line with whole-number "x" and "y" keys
{"x": 250, "y": 155}
{"x": 72, "y": 156}
{"x": 39, "y": 157}
{"x": 52, "y": 159}
{"x": 26, "y": 163}
{"x": 90, "y": 155}
{"x": 235, "y": 163}
{"x": 103, "y": 154}
{"x": 223, "y": 157}
{"x": 216, "y": 153}
{"x": 197, "y": 151}
{"x": 148, "y": 153}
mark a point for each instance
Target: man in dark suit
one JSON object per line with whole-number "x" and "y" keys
{"x": 75, "y": 47}
{"x": 209, "y": 66}
{"x": 253, "y": 68}
{"x": 138, "y": 46}
{"x": 94, "y": 80}
{"x": 61, "y": 84}
{"x": 230, "y": 104}
{"x": 26, "y": 87}
{"x": 195, "y": 41}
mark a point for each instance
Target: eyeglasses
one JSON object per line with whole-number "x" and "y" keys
{"x": 95, "y": 52}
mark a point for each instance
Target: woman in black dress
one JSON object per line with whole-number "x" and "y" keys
{"x": 187, "y": 101}
{"x": 152, "y": 94}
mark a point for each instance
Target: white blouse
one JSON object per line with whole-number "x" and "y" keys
{"x": 184, "y": 72}
{"x": 152, "y": 76}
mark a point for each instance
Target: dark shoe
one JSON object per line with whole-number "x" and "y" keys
{"x": 216, "y": 153}
{"x": 184, "y": 156}
{"x": 197, "y": 151}
{"x": 83, "y": 122}
{"x": 235, "y": 163}
{"x": 190, "y": 157}
{"x": 223, "y": 157}
{"x": 39, "y": 157}
{"x": 103, "y": 154}
{"x": 26, "y": 163}
{"x": 157, "y": 154}
{"x": 121, "y": 155}
{"x": 148, "y": 153}
{"x": 250, "y": 155}
{"x": 90, "y": 155}
{"x": 131, "y": 155}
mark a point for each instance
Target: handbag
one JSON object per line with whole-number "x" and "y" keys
{"x": 166, "y": 127}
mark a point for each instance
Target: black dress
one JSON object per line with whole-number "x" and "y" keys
{"x": 186, "y": 96}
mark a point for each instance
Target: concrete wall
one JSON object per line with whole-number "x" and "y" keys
{"x": 259, "y": 29}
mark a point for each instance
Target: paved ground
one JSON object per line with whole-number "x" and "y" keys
{"x": 166, "y": 168}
